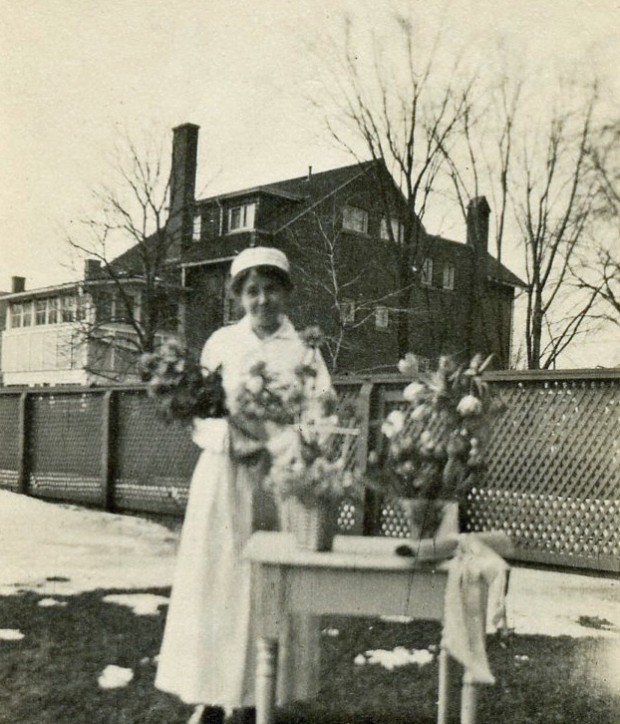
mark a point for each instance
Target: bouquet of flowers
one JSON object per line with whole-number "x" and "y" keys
{"x": 178, "y": 384}
{"x": 301, "y": 428}
{"x": 435, "y": 446}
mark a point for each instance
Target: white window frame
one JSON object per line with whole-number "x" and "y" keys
{"x": 27, "y": 314}
{"x": 40, "y": 312}
{"x": 247, "y": 215}
{"x": 382, "y": 317}
{"x": 355, "y": 219}
{"x": 54, "y": 311}
{"x": 426, "y": 277}
{"x": 68, "y": 308}
{"x": 196, "y": 227}
{"x": 347, "y": 311}
{"x": 398, "y": 230}
{"x": 448, "y": 276}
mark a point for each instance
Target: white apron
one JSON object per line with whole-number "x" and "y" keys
{"x": 207, "y": 654}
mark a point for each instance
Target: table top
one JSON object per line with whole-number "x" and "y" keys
{"x": 350, "y": 552}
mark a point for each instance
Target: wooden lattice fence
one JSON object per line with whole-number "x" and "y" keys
{"x": 553, "y": 479}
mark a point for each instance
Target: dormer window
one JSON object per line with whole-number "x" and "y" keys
{"x": 354, "y": 219}
{"x": 241, "y": 218}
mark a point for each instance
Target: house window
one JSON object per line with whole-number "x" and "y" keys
{"x": 241, "y": 218}
{"x": 53, "y": 310}
{"x": 354, "y": 219}
{"x": 448, "y": 276}
{"x": 68, "y": 309}
{"x": 40, "y": 311}
{"x": 27, "y": 318}
{"x": 347, "y": 312}
{"x": 196, "y": 228}
{"x": 232, "y": 310}
{"x": 382, "y": 318}
{"x": 17, "y": 315}
{"x": 427, "y": 272}
{"x": 398, "y": 230}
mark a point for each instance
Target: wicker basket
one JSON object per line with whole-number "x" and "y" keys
{"x": 313, "y": 528}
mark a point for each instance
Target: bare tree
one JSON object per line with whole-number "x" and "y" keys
{"x": 539, "y": 175}
{"x": 405, "y": 116}
{"x": 554, "y": 204}
{"x": 133, "y": 295}
{"x": 338, "y": 281}
{"x": 600, "y": 275}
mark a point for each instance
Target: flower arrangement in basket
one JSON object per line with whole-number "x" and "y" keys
{"x": 309, "y": 473}
{"x": 180, "y": 386}
{"x": 435, "y": 445}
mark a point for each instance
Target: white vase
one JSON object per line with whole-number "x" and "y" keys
{"x": 430, "y": 518}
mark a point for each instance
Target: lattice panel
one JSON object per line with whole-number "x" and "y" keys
{"x": 9, "y": 443}
{"x": 155, "y": 460}
{"x": 553, "y": 476}
{"x": 65, "y": 445}
{"x": 349, "y": 517}
{"x": 553, "y": 479}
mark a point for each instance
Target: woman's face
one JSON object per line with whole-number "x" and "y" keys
{"x": 263, "y": 299}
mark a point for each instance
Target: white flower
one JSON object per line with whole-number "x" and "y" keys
{"x": 254, "y": 385}
{"x": 393, "y": 424}
{"x": 469, "y": 405}
{"x": 412, "y": 391}
{"x": 408, "y": 365}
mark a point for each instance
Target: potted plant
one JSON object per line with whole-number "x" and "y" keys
{"x": 435, "y": 444}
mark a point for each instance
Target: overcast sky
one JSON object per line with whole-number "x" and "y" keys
{"x": 76, "y": 74}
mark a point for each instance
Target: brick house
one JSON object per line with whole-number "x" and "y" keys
{"x": 342, "y": 230}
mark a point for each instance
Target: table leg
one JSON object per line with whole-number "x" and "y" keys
{"x": 469, "y": 696}
{"x": 266, "y": 674}
{"x": 444, "y": 687}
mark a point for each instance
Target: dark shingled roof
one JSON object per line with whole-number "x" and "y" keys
{"x": 496, "y": 271}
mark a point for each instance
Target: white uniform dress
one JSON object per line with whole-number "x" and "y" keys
{"x": 207, "y": 654}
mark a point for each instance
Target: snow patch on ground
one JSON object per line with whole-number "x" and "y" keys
{"x": 11, "y": 634}
{"x": 142, "y": 604}
{"x": 114, "y": 677}
{"x": 57, "y": 549}
{"x": 50, "y": 602}
{"x": 399, "y": 656}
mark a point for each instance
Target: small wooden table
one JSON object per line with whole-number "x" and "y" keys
{"x": 362, "y": 576}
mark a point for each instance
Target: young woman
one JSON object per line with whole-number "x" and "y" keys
{"x": 207, "y": 655}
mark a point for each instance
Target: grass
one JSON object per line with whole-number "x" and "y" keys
{"x": 50, "y": 676}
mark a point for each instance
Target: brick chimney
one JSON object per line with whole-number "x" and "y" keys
{"x": 478, "y": 211}
{"x": 18, "y": 284}
{"x": 92, "y": 269}
{"x": 182, "y": 184}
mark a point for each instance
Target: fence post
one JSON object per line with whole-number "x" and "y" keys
{"x": 23, "y": 444}
{"x": 108, "y": 428}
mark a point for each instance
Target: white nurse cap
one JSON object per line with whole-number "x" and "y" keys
{"x": 259, "y": 256}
